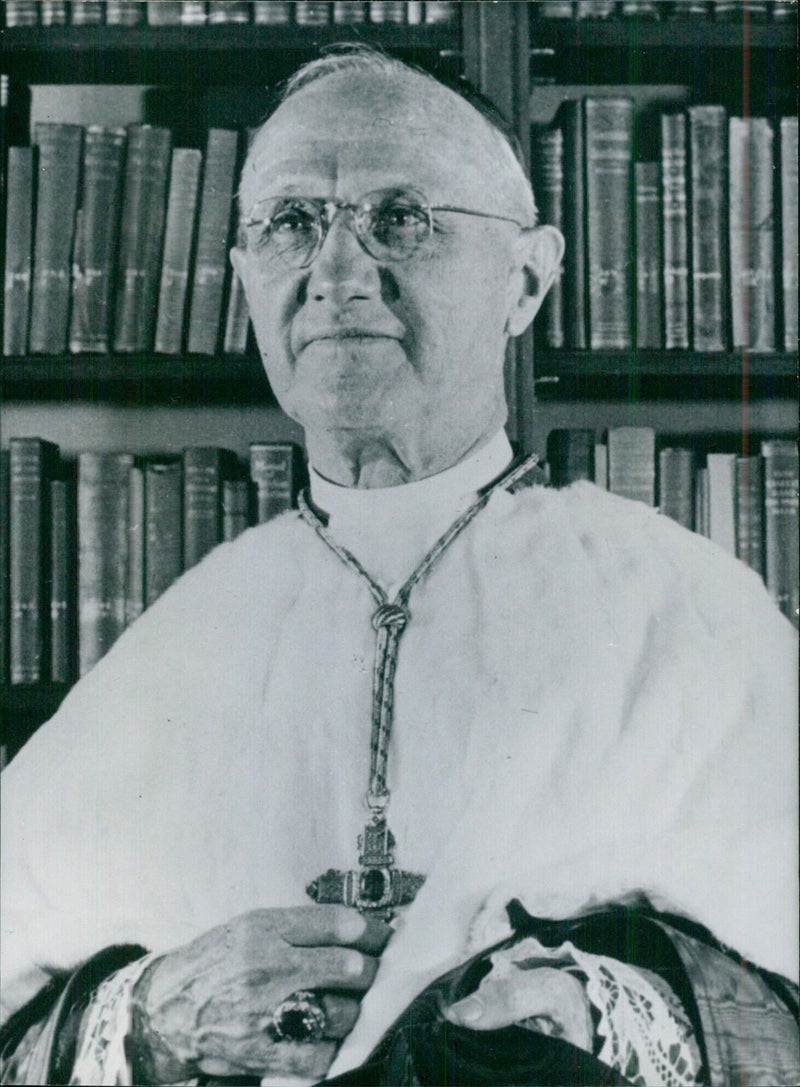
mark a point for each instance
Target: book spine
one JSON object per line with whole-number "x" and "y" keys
{"x": 312, "y": 13}
{"x": 235, "y": 508}
{"x": 574, "y": 290}
{"x": 553, "y": 9}
{"x": 164, "y": 12}
{"x": 676, "y": 485}
{"x": 141, "y": 232}
{"x": 750, "y": 512}
{"x": 721, "y": 500}
{"x": 632, "y": 463}
{"x": 349, "y": 12}
{"x": 701, "y": 513}
{"x": 54, "y": 13}
{"x": 609, "y": 227}
{"x": 237, "y": 321}
{"x": 547, "y": 158}
{"x": 781, "y": 525}
{"x": 648, "y": 255}
{"x": 19, "y": 241}
{"x": 22, "y": 13}
{"x": 29, "y": 463}
{"x": 387, "y": 11}
{"x": 95, "y": 239}
{"x": 272, "y": 12}
{"x": 178, "y": 236}
{"x": 61, "y": 566}
{"x": 707, "y": 127}
{"x": 213, "y": 239}
{"x": 125, "y": 12}
{"x": 134, "y": 577}
{"x": 163, "y": 520}
{"x": 228, "y": 11}
{"x": 601, "y": 465}
{"x": 789, "y": 229}
{"x": 5, "y": 502}
{"x": 102, "y": 552}
{"x": 58, "y": 169}
{"x": 86, "y": 12}
{"x": 674, "y": 217}
{"x": 751, "y": 234}
{"x": 441, "y": 11}
{"x": 570, "y": 455}
{"x": 274, "y": 469}
{"x": 594, "y": 9}
{"x": 203, "y": 470}
{"x": 194, "y": 13}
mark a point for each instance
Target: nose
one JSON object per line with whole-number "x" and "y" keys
{"x": 342, "y": 271}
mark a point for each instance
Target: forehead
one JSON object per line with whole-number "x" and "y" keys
{"x": 349, "y": 133}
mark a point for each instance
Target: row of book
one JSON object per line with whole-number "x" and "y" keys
{"x": 713, "y": 226}
{"x": 746, "y": 504}
{"x": 86, "y": 546}
{"x": 659, "y": 9}
{"x": 117, "y": 241}
{"x": 217, "y": 12}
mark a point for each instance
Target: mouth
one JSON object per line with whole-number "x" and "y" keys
{"x": 344, "y": 334}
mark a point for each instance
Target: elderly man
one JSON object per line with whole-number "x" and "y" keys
{"x": 449, "y": 773}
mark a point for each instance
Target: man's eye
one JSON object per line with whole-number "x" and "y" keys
{"x": 400, "y": 216}
{"x": 291, "y": 221}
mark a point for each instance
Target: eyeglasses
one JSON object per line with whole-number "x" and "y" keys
{"x": 390, "y": 224}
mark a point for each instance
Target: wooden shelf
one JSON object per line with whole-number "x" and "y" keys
{"x": 692, "y": 34}
{"x": 136, "y": 379}
{"x": 663, "y": 374}
{"x": 248, "y": 54}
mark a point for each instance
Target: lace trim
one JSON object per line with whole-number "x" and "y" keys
{"x": 101, "y": 1057}
{"x": 646, "y": 1033}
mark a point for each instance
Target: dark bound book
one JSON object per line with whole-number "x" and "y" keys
{"x": 62, "y": 578}
{"x": 228, "y": 11}
{"x": 87, "y": 12}
{"x": 676, "y": 485}
{"x": 750, "y": 512}
{"x": 178, "y": 237}
{"x": 649, "y": 295}
{"x": 31, "y": 464}
{"x": 275, "y": 472}
{"x": 213, "y": 241}
{"x": 609, "y": 225}
{"x": 163, "y": 486}
{"x": 707, "y": 192}
{"x": 387, "y": 11}
{"x": 350, "y": 11}
{"x": 574, "y": 281}
{"x": 547, "y": 171}
{"x": 632, "y": 463}
{"x": 54, "y": 13}
{"x": 272, "y": 12}
{"x": 204, "y": 468}
{"x": 125, "y": 12}
{"x": 141, "y": 235}
{"x": 235, "y": 508}
{"x": 19, "y": 250}
{"x": 789, "y": 229}
{"x": 102, "y": 552}
{"x": 58, "y": 167}
{"x": 134, "y": 579}
{"x": 96, "y": 238}
{"x": 22, "y": 12}
{"x": 781, "y": 525}
{"x": 674, "y": 219}
{"x": 752, "y": 232}
{"x": 570, "y": 456}
{"x": 164, "y": 12}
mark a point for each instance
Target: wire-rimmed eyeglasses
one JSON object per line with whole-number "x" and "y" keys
{"x": 390, "y": 224}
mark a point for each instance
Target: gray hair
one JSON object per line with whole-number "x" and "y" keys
{"x": 365, "y": 59}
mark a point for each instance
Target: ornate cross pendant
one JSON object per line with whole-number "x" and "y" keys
{"x": 376, "y": 886}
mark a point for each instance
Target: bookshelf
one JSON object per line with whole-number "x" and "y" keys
{"x": 222, "y": 74}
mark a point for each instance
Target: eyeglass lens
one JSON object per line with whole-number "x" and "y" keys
{"x": 390, "y": 224}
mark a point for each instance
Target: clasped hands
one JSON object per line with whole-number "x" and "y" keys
{"x": 207, "y": 1007}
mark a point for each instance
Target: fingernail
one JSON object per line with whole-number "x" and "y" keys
{"x": 469, "y": 1010}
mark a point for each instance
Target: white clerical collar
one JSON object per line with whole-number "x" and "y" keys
{"x": 390, "y": 529}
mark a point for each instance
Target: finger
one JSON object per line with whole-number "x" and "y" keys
{"x": 337, "y": 968}
{"x": 301, "y": 1059}
{"x": 341, "y": 1013}
{"x": 329, "y": 925}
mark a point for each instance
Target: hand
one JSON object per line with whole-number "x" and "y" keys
{"x": 551, "y": 1001}
{"x": 207, "y": 1006}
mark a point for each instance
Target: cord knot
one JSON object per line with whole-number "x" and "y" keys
{"x": 391, "y": 615}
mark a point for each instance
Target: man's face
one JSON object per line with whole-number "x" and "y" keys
{"x": 385, "y": 348}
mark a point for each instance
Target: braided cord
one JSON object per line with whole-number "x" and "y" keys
{"x": 391, "y": 618}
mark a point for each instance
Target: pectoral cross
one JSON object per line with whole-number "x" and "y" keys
{"x": 376, "y": 887}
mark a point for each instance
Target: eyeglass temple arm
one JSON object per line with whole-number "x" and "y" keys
{"x": 480, "y": 215}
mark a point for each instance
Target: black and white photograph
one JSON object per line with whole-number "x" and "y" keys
{"x": 399, "y": 588}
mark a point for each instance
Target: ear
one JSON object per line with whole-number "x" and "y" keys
{"x": 539, "y": 262}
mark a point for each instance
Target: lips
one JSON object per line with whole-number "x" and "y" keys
{"x": 340, "y": 334}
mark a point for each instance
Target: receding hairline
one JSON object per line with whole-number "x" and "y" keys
{"x": 360, "y": 60}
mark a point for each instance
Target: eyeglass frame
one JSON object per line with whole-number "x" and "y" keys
{"x": 326, "y": 216}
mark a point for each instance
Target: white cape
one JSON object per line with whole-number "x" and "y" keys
{"x": 589, "y": 700}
